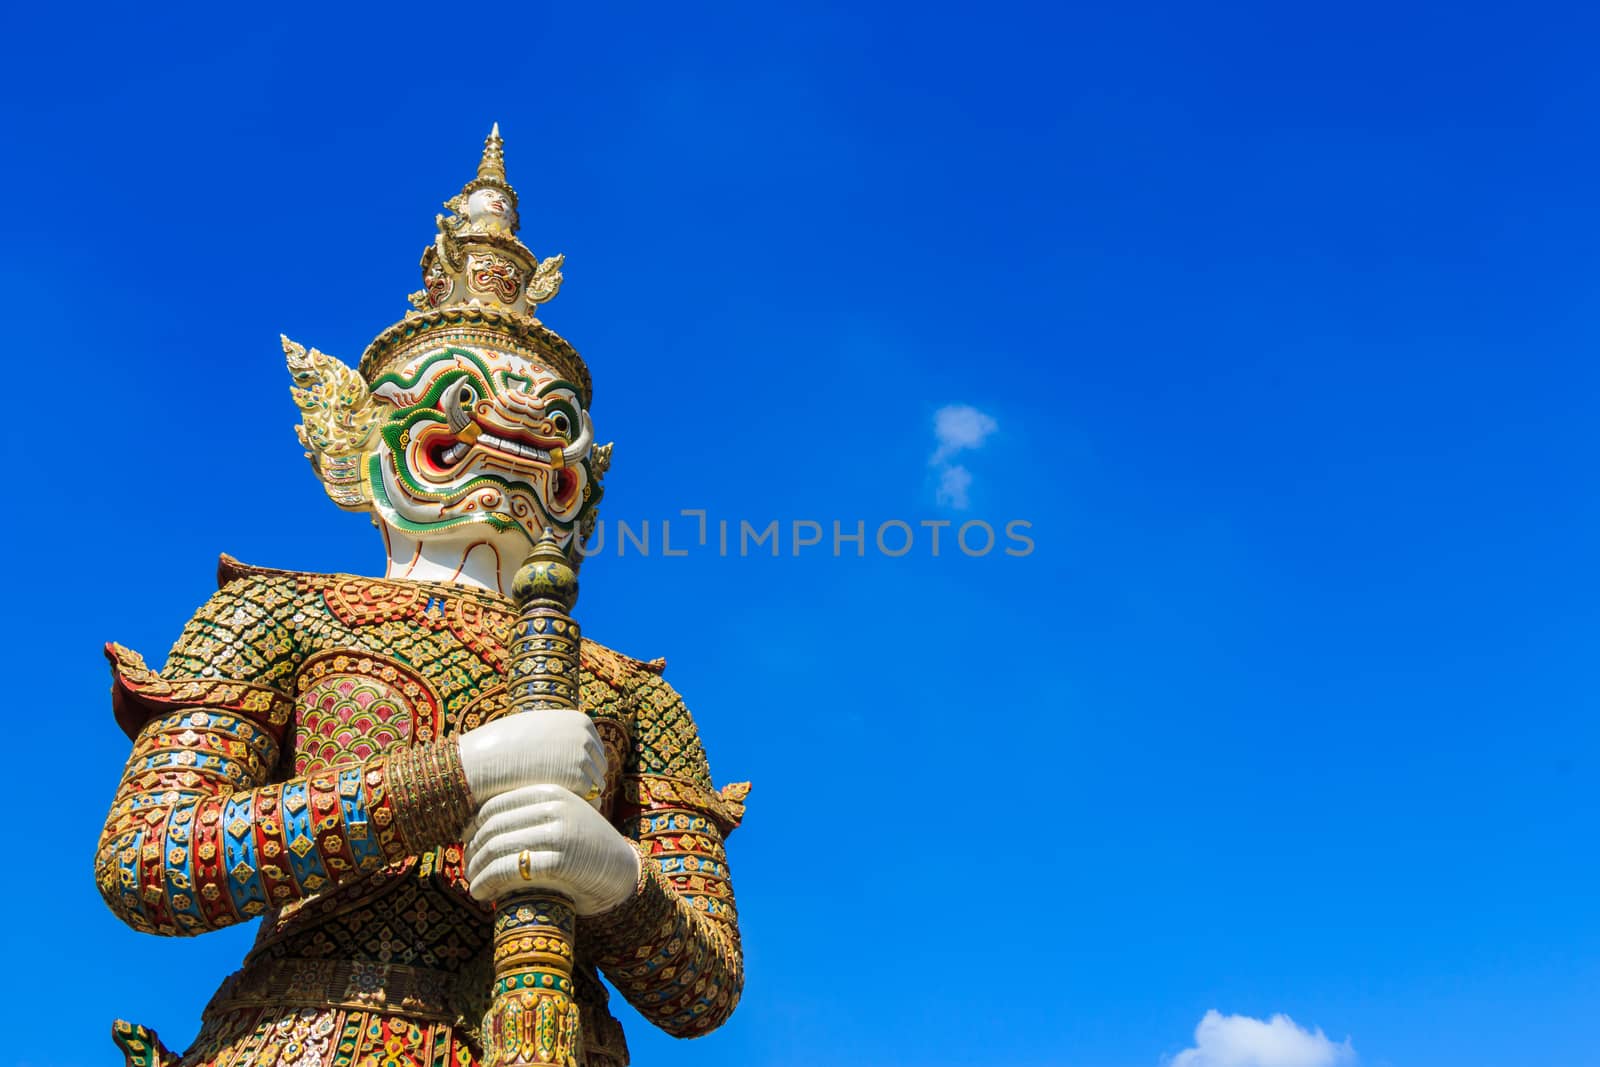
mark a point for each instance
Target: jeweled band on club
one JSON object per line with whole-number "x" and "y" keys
{"x": 335, "y": 755}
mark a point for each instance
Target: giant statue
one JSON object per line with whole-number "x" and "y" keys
{"x": 450, "y": 812}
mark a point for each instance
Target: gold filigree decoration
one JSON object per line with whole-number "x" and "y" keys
{"x": 338, "y": 415}
{"x": 600, "y": 460}
{"x": 546, "y": 281}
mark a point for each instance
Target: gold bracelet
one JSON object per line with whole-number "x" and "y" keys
{"x": 435, "y": 802}
{"x": 453, "y": 785}
{"x": 402, "y": 778}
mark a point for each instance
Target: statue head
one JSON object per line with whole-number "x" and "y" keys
{"x": 468, "y": 420}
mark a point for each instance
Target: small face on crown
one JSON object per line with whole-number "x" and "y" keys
{"x": 481, "y": 436}
{"x": 490, "y": 209}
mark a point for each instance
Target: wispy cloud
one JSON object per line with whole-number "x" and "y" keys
{"x": 954, "y": 481}
{"x": 1240, "y": 1041}
{"x": 957, "y": 428}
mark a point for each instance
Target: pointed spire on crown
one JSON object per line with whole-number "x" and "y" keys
{"x": 493, "y": 164}
{"x": 480, "y": 283}
{"x": 476, "y": 257}
{"x": 491, "y": 175}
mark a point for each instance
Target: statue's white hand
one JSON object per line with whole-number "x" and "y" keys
{"x": 547, "y": 747}
{"x": 544, "y": 837}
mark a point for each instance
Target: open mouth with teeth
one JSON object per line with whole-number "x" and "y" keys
{"x": 444, "y": 454}
{"x": 525, "y": 447}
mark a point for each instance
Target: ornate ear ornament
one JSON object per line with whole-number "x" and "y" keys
{"x": 599, "y": 463}
{"x": 339, "y": 417}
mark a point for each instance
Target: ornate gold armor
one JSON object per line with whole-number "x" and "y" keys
{"x": 269, "y": 756}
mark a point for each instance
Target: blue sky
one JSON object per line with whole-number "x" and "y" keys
{"x": 1284, "y": 321}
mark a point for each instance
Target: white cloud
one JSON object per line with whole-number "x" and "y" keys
{"x": 1240, "y": 1041}
{"x": 954, "y": 482}
{"x": 957, "y": 428}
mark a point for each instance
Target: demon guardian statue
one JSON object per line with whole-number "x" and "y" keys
{"x": 440, "y": 881}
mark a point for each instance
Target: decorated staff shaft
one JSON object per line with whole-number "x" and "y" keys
{"x": 533, "y": 1018}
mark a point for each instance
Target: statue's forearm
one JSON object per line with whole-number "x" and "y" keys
{"x": 186, "y": 850}
{"x": 672, "y": 949}
{"x": 688, "y": 978}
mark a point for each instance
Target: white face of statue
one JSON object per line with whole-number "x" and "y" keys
{"x": 484, "y": 439}
{"x": 465, "y": 455}
{"x": 491, "y": 207}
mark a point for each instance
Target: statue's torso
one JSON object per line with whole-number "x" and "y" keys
{"x": 401, "y": 955}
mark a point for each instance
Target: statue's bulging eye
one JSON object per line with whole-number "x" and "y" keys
{"x": 466, "y": 396}
{"x": 562, "y": 424}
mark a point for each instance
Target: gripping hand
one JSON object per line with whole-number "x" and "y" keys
{"x": 544, "y": 837}
{"x": 547, "y": 747}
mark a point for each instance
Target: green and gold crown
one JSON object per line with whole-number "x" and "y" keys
{"x": 481, "y": 284}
